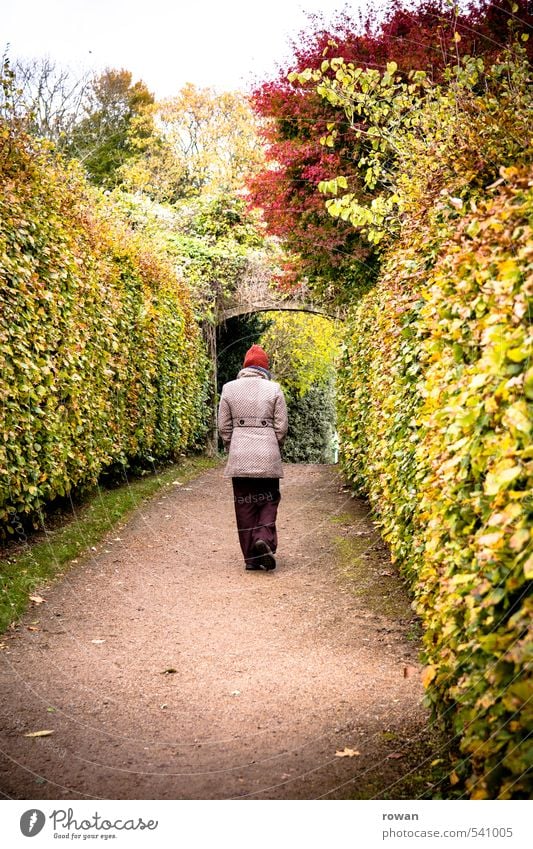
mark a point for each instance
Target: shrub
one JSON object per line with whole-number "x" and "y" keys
{"x": 436, "y": 392}
{"x": 103, "y": 361}
{"x": 311, "y": 434}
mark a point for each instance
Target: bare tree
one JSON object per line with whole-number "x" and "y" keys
{"x": 47, "y": 99}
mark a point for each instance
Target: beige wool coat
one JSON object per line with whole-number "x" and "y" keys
{"x": 252, "y": 421}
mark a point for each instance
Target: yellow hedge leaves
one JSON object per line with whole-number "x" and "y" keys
{"x": 436, "y": 395}
{"x": 102, "y": 361}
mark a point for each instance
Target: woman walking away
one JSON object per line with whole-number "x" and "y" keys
{"x": 252, "y": 420}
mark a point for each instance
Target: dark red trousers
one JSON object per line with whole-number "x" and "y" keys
{"x": 256, "y": 507}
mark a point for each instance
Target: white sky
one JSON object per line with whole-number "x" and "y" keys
{"x": 166, "y": 43}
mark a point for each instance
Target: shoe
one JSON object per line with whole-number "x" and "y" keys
{"x": 266, "y": 559}
{"x": 253, "y": 567}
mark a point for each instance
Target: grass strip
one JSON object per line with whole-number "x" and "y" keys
{"x": 47, "y": 555}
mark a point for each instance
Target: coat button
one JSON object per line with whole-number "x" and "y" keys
{"x": 241, "y": 421}
{"x": 263, "y": 422}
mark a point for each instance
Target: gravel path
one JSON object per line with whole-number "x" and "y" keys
{"x": 165, "y": 671}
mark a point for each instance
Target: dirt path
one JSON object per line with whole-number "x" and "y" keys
{"x": 273, "y": 672}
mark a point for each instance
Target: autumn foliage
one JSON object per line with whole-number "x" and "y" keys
{"x": 102, "y": 359}
{"x": 436, "y": 385}
{"x": 326, "y": 251}
{"x": 435, "y": 410}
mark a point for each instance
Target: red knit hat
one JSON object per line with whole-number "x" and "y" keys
{"x": 255, "y": 356}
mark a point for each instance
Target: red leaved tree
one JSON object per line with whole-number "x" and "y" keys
{"x": 328, "y": 252}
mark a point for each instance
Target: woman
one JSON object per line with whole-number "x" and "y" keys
{"x": 252, "y": 421}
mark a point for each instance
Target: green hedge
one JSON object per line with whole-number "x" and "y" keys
{"x": 436, "y": 388}
{"x": 102, "y": 359}
{"x": 311, "y": 434}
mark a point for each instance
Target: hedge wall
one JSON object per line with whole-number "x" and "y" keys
{"x": 435, "y": 424}
{"x": 102, "y": 360}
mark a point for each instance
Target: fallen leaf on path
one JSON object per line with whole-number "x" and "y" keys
{"x": 37, "y": 599}
{"x": 235, "y": 693}
{"x": 454, "y": 778}
{"x": 97, "y": 642}
{"x": 394, "y": 756}
{"x": 45, "y": 733}
{"x": 347, "y": 753}
{"x": 33, "y": 628}
{"x": 169, "y": 671}
{"x": 409, "y": 671}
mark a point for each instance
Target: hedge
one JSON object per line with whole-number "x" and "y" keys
{"x": 311, "y": 435}
{"x": 436, "y": 392}
{"x": 102, "y": 359}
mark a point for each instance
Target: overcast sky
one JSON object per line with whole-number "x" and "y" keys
{"x": 166, "y": 43}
